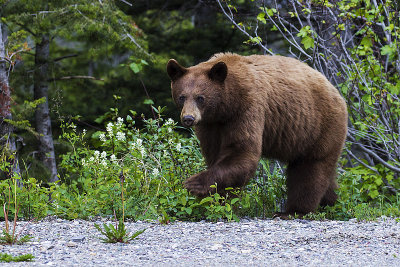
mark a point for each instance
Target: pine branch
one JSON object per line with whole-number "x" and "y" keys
{"x": 64, "y": 57}
{"x": 75, "y": 77}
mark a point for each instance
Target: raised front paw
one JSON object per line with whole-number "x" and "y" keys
{"x": 199, "y": 185}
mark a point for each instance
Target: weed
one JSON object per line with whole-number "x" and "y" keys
{"x": 4, "y": 257}
{"x": 8, "y": 237}
{"x": 117, "y": 234}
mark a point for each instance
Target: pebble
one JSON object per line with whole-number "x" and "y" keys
{"x": 79, "y": 238}
{"x": 58, "y": 242}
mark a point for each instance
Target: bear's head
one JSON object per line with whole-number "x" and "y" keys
{"x": 197, "y": 90}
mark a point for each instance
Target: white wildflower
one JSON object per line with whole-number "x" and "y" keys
{"x": 91, "y": 159}
{"x": 73, "y": 126}
{"x": 169, "y": 130}
{"x": 139, "y": 142}
{"x": 132, "y": 146}
{"x": 120, "y": 136}
{"x": 103, "y": 155}
{"x": 102, "y": 137}
{"x": 155, "y": 172}
{"x": 178, "y": 147}
{"x": 142, "y": 151}
{"x": 104, "y": 163}
{"x": 169, "y": 122}
{"x": 120, "y": 121}
{"x": 109, "y": 129}
{"x": 84, "y": 131}
{"x": 96, "y": 154}
{"x": 83, "y": 162}
{"x": 113, "y": 158}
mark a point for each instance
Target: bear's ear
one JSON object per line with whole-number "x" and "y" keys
{"x": 174, "y": 70}
{"x": 218, "y": 72}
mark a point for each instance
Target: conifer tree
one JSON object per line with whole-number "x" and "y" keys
{"x": 100, "y": 24}
{"x": 7, "y": 140}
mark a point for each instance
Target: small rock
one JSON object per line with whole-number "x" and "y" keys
{"x": 46, "y": 245}
{"x": 78, "y": 238}
{"x": 72, "y": 244}
{"x": 216, "y": 247}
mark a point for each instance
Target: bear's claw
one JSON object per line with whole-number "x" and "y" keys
{"x": 196, "y": 185}
{"x": 288, "y": 215}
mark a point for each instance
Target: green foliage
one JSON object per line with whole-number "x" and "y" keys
{"x": 151, "y": 160}
{"x": 34, "y": 198}
{"x": 139, "y": 173}
{"x": 117, "y": 234}
{"x": 4, "y": 257}
{"x": 218, "y": 206}
{"x": 355, "y": 201}
{"x": 10, "y": 239}
{"x": 306, "y": 35}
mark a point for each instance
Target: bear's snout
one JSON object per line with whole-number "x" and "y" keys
{"x": 188, "y": 120}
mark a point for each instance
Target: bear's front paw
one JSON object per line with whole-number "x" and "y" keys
{"x": 199, "y": 185}
{"x": 288, "y": 215}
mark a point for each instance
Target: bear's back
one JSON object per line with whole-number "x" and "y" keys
{"x": 297, "y": 103}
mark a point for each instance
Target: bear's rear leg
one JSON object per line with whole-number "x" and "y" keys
{"x": 309, "y": 184}
{"x": 330, "y": 196}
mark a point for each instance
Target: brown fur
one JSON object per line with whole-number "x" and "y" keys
{"x": 272, "y": 106}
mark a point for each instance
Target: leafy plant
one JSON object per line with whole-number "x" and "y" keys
{"x": 4, "y": 257}
{"x": 8, "y": 237}
{"x": 117, "y": 233}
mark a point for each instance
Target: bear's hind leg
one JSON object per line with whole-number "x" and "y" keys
{"x": 330, "y": 196}
{"x": 307, "y": 183}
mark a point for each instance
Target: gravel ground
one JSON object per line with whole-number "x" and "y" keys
{"x": 276, "y": 242}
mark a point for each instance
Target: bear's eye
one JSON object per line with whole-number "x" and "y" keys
{"x": 200, "y": 99}
{"x": 181, "y": 99}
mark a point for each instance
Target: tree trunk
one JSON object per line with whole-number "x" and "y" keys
{"x": 42, "y": 114}
{"x": 7, "y": 140}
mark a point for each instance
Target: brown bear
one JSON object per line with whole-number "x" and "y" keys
{"x": 245, "y": 107}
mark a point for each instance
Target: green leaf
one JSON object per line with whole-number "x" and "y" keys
{"x": 271, "y": 11}
{"x": 135, "y": 67}
{"x": 366, "y": 42}
{"x": 188, "y": 210}
{"x": 205, "y": 200}
{"x": 183, "y": 200}
{"x": 373, "y": 193}
{"x": 233, "y": 201}
{"x": 306, "y": 34}
{"x": 308, "y": 42}
{"x": 148, "y": 102}
{"x": 228, "y": 207}
{"x": 389, "y": 50}
{"x": 261, "y": 17}
{"x": 367, "y": 99}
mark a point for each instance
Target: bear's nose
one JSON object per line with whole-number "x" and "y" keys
{"x": 188, "y": 120}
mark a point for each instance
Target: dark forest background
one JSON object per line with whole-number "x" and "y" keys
{"x": 69, "y": 68}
